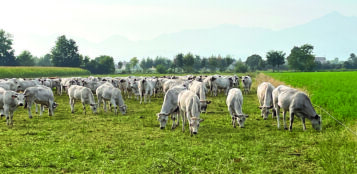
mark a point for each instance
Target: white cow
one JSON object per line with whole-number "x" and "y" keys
{"x": 200, "y": 89}
{"x": 299, "y": 104}
{"x": 9, "y": 101}
{"x": 83, "y": 94}
{"x": 247, "y": 83}
{"x": 219, "y": 82}
{"x": 27, "y": 83}
{"x": 235, "y": 103}
{"x": 42, "y": 95}
{"x": 265, "y": 97}
{"x": 169, "y": 107}
{"x": 275, "y": 94}
{"x": 189, "y": 106}
{"x": 146, "y": 89}
{"x": 107, "y": 92}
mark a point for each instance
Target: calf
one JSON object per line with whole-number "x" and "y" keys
{"x": 40, "y": 95}
{"x": 265, "y": 97}
{"x": 189, "y": 106}
{"x": 235, "y": 103}
{"x": 299, "y": 104}
{"x": 9, "y": 101}
{"x": 107, "y": 92}
{"x": 169, "y": 107}
{"x": 83, "y": 94}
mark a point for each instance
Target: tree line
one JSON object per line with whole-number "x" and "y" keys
{"x": 65, "y": 54}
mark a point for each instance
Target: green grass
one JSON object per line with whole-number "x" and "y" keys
{"x": 31, "y": 72}
{"x": 133, "y": 143}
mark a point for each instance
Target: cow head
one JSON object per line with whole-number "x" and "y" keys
{"x": 162, "y": 118}
{"x": 316, "y": 122}
{"x": 19, "y": 99}
{"x": 94, "y": 107}
{"x": 122, "y": 109}
{"x": 240, "y": 119}
{"x": 194, "y": 123}
{"x": 265, "y": 111}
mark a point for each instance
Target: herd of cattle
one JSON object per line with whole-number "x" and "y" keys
{"x": 184, "y": 96}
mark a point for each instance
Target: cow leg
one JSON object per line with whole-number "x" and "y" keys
{"x": 105, "y": 106}
{"x": 71, "y": 103}
{"x": 2, "y": 112}
{"x": 183, "y": 115}
{"x": 11, "y": 113}
{"x": 7, "y": 115}
{"x": 277, "y": 112}
{"x": 273, "y": 114}
{"x": 303, "y": 123}
{"x": 50, "y": 109}
{"x": 284, "y": 119}
{"x": 41, "y": 109}
{"x": 84, "y": 108}
{"x": 291, "y": 121}
{"x": 99, "y": 101}
{"x": 29, "y": 106}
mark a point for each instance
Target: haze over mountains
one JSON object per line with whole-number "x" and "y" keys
{"x": 332, "y": 35}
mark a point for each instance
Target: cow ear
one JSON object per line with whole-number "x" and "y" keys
{"x": 246, "y": 115}
{"x": 270, "y": 107}
{"x": 260, "y": 107}
{"x": 201, "y": 120}
{"x": 208, "y": 101}
{"x": 316, "y": 117}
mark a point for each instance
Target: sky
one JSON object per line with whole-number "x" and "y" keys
{"x": 97, "y": 20}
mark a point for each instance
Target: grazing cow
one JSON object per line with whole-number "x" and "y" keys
{"x": 169, "y": 107}
{"x": 275, "y": 94}
{"x": 265, "y": 97}
{"x": 42, "y": 95}
{"x": 219, "y": 82}
{"x": 83, "y": 94}
{"x": 299, "y": 104}
{"x": 168, "y": 84}
{"x": 235, "y": 103}
{"x": 247, "y": 83}
{"x": 52, "y": 83}
{"x": 107, "y": 92}
{"x": 9, "y": 101}
{"x": 200, "y": 89}
{"x": 189, "y": 106}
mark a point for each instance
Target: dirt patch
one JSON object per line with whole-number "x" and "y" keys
{"x": 264, "y": 78}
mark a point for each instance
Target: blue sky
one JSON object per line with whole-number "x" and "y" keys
{"x": 97, "y": 20}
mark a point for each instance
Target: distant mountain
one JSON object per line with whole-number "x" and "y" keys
{"x": 332, "y": 35}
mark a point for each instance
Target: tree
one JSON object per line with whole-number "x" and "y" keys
{"x": 254, "y": 62}
{"x": 212, "y": 64}
{"x": 197, "y": 64}
{"x": 275, "y": 58}
{"x": 353, "y": 60}
{"x": 161, "y": 69}
{"x": 188, "y": 61}
{"x": 65, "y": 53}
{"x": 25, "y": 59}
{"x": 105, "y": 65}
{"x": 301, "y": 58}
{"x": 120, "y": 64}
{"x": 133, "y": 62}
{"x": 240, "y": 67}
{"x": 178, "y": 61}
{"x": 7, "y": 57}
{"x": 44, "y": 61}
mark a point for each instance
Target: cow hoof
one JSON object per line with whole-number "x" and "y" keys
{"x": 286, "y": 128}
{"x": 30, "y": 117}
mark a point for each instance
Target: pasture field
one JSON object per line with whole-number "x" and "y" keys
{"x": 133, "y": 143}
{"x": 32, "y": 71}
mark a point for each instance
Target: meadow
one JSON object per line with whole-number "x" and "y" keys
{"x": 32, "y": 72}
{"x": 133, "y": 143}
